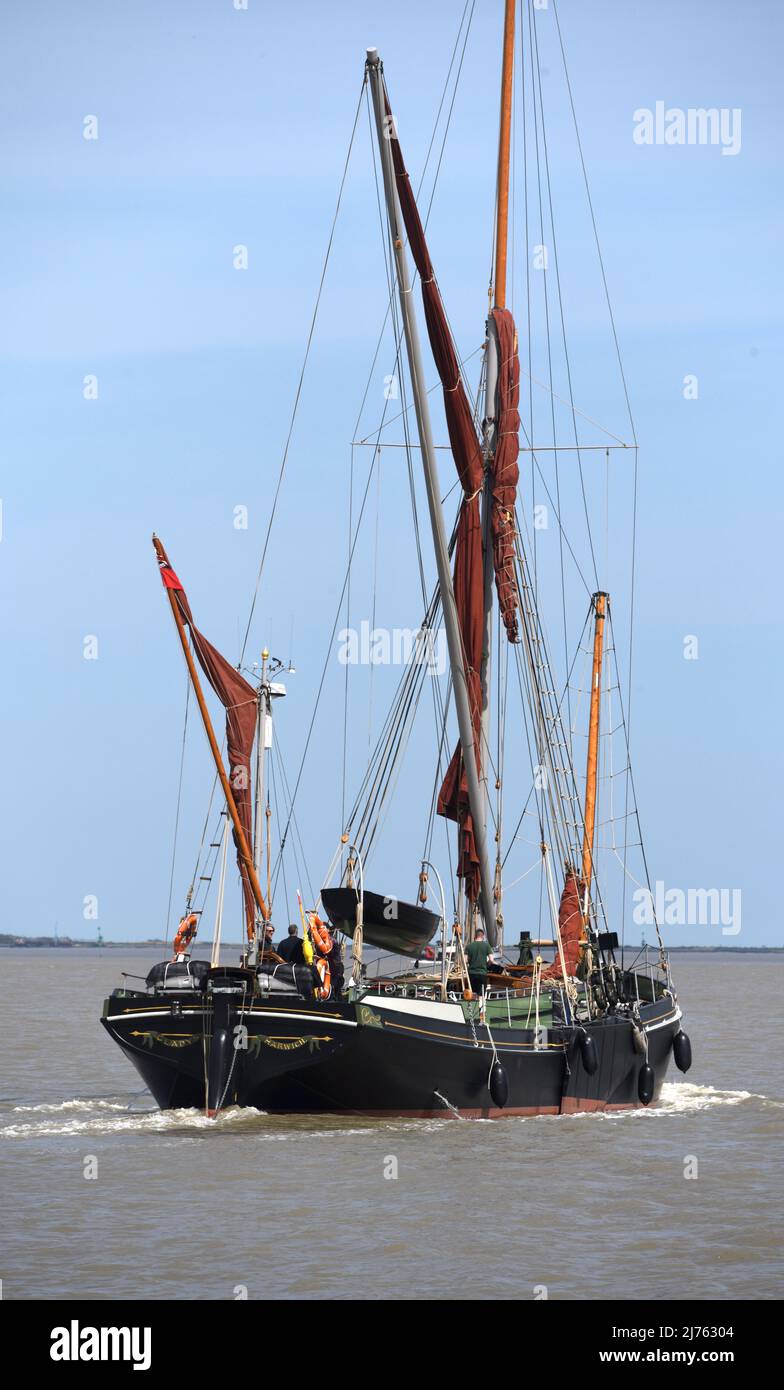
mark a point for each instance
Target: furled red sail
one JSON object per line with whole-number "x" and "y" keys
{"x": 468, "y": 571}
{"x": 239, "y": 700}
{"x": 505, "y": 472}
{"x": 570, "y": 927}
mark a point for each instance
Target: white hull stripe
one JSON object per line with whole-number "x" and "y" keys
{"x": 419, "y": 1008}
{"x": 154, "y": 1013}
{"x": 671, "y": 1018}
{"x": 323, "y": 1021}
{"x": 255, "y": 1013}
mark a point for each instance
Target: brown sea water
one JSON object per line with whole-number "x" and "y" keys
{"x": 591, "y": 1206}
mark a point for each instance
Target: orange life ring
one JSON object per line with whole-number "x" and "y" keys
{"x": 185, "y": 934}
{"x": 325, "y": 990}
{"x": 321, "y": 937}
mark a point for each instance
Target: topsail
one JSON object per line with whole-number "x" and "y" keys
{"x": 467, "y": 453}
{"x": 239, "y": 700}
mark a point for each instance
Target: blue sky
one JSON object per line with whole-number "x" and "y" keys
{"x": 218, "y": 127}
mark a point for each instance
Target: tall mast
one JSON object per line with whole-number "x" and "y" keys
{"x": 498, "y": 295}
{"x": 261, "y": 748}
{"x": 599, "y": 602}
{"x": 451, "y": 623}
{"x": 504, "y": 145}
{"x": 231, "y": 804}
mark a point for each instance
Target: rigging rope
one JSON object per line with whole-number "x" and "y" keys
{"x": 390, "y": 309}
{"x": 179, "y": 801}
{"x": 535, "y": 55}
{"x": 628, "y": 408}
{"x": 535, "y": 50}
{"x": 298, "y": 392}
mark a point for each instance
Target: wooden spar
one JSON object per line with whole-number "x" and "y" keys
{"x": 592, "y": 767}
{"x": 262, "y": 713}
{"x": 216, "y": 753}
{"x": 268, "y": 814}
{"x": 490, "y": 423}
{"x": 504, "y": 144}
{"x": 422, "y": 410}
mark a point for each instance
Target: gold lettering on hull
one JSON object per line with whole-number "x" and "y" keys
{"x": 255, "y": 1043}
{"x": 284, "y": 1044}
{"x": 167, "y": 1039}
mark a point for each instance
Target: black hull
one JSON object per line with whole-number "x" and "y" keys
{"x": 379, "y": 1058}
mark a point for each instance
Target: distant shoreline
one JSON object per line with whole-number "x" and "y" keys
{"x": 23, "y": 943}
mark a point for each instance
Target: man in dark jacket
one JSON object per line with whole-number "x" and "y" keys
{"x": 335, "y": 959}
{"x": 290, "y": 948}
{"x": 269, "y": 955}
{"x": 477, "y": 954}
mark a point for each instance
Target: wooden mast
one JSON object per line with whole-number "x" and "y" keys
{"x": 504, "y": 145}
{"x": 422, "y": 410}
{"x": 592, "y": 768}
{"x": 231, "y": 804}
{"x": 490, "y": 435}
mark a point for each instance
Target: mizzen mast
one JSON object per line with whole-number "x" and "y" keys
{"x": 267, "y": 692}
{"x": 172, "y": 587}
{"x": 262, "y": 724}
{"x": 599, "y": 602}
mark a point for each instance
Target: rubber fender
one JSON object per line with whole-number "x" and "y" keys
{"x": 681, "y": 1050}
{"x": 588, "y": 1053}
{"x": 645, "y": 1084}
{"x": 499, "y": 1085}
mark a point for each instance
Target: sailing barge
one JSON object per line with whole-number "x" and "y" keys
{"x": 581, "y": 1031}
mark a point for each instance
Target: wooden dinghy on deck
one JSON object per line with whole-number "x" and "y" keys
{"x": 388, "y": 923}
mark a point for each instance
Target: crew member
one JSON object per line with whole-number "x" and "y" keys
{"x": 477, "y": 954}
{"x": 335, "y": 959}
{"x": 290, "y": 948}
{"x": 268, "y": 953}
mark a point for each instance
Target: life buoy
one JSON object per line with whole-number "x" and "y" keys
{"x": 325, "y": 975}
{"x": 321, "y": 937}
{"x": 185, "y": 934}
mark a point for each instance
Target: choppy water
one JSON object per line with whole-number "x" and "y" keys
{"x": 591, "y": 1206}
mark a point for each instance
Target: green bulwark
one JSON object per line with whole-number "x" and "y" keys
{"x": 516, "y": 1011}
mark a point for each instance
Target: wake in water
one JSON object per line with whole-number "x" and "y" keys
{"x": 63, "y": 1105}
{"x": 99, "y": 1116}
{"x": 112, "y": 1116}
{"x": 85, "y": 1115}
{"x": 681, "y": 1098}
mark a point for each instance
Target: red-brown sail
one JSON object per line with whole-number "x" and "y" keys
{"x": 453, "y": 796}
{"x": 468, "y": 566}
{"x": 239, "y": 700}
{"x": 504, "y": 470}
{"x": 570, "y": 927}
{"x": 467, "y": 453}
